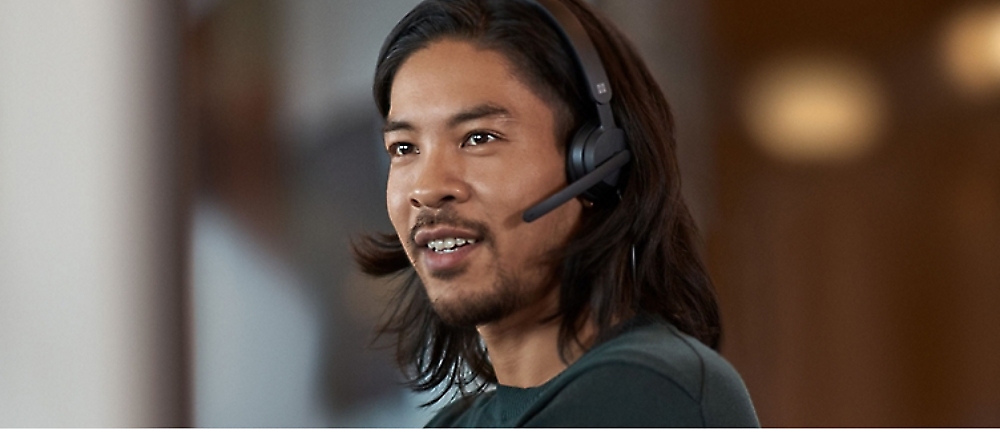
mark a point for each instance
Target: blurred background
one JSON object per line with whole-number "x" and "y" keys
{"x": 180, "y": 180}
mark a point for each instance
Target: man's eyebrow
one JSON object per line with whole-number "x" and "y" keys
{"x": 481, "y": 111}
{"x": 391, "y": 126}
{"x": 478, "y": 112}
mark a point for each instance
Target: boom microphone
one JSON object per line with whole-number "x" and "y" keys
{"x": 578, "y": 187}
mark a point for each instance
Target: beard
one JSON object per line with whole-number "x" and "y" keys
{"x": 501, "y": 299}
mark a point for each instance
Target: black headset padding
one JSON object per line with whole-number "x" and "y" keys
{"x": 588, "y": 149}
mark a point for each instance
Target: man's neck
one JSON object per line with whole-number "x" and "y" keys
{"x": 524, "y": 347}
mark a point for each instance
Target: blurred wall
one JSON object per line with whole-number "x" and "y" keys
{"x": 289, "y": 170}
{"x": 90, "y": 299}
{"x": 858, "y": 236}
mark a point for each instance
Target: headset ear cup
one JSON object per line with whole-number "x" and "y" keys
{"x": 590, "y": 147}
{"x": 576, "y": 165}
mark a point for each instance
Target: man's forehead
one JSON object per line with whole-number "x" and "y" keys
{"x": 449, "y": 77}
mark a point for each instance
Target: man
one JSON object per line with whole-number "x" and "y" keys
{"x": 597, "y": 311}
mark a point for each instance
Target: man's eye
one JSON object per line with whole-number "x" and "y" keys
{"x": 402, "y": 149}
{"x": 478, "y": 138}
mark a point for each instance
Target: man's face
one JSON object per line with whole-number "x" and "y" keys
{"x": 471, "y": 148}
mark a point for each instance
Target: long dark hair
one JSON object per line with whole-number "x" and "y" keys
{"x": 597, "y": 280}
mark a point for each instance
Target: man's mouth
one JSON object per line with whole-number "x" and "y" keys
{"x": 445, "y": 244}
{"x": 445, "y": 238}
{"x": 445, "y": 250}
{"x": 445, "y": 232}
{"x": 450, "y": 244}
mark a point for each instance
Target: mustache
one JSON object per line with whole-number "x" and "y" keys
{"x": 448, "y": 217}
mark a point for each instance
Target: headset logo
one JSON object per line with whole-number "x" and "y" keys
{"x": 602, "y": 88}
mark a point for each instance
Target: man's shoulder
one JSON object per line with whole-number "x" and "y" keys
{"x": 657, "y": 363}
{"x": 651, "y": 374}
{"x": 659, "y": 347}
{"x": 460, "y": 411}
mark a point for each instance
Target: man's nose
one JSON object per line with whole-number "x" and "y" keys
{"x": 440, "y": 180}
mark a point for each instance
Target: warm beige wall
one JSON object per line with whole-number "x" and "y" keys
{"x": 89, "y": 295}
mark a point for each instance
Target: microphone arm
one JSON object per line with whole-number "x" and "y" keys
{"x": 578, "y": 187}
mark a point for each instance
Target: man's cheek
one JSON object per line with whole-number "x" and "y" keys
{"x": 396, "y": 205}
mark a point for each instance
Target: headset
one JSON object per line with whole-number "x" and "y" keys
{"x": 598, "y": 151}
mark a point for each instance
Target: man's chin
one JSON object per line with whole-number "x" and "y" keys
{"x": 467, "y": 310}
{"x": 463, "y": 316}
{"x": 449, "y": 274}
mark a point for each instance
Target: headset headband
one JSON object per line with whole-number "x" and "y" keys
{"x": 582, "y": 50}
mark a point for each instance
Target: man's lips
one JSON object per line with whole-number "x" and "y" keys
{"x": 445, "y": 249}
{"x": 425, "y": 235}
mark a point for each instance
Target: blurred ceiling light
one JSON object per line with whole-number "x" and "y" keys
{"x": 972, "y": 49}
{"x": 814, "y": 109}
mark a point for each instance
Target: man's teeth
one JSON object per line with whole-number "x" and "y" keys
{"x": 449, "y": 244}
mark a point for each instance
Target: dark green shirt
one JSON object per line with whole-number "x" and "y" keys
{"x": 650, "y": 375}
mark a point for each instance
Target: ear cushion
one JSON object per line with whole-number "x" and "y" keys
{"x": 590, "y": 147}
